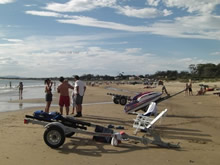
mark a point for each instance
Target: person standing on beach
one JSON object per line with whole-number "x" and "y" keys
{"x": 164, "y": 89}
{"x": 20, "y": 87}
{"x": 190, "y": 88}
{"x": 10, "y": 84}
{"x": 64, "y": 100}
{"x": 79, "y": 91}
{"x": 48, "y": 90}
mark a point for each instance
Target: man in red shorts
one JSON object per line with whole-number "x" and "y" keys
{"x": 64, "y": 100}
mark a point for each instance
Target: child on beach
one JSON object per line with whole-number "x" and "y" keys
{"x": 48, "y": 91}
{"x": 64, "y": 100}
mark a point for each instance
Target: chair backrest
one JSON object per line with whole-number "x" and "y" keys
{"x": 156, "y": 118}
{"x": 152, "y": 109}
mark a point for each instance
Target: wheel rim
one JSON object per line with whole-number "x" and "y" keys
{"x": 122, "y": 101}
{"x": 53, "y": 137}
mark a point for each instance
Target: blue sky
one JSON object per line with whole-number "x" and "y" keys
{"x": 44, "y": 38}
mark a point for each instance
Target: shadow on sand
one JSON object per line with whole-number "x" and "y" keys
{"x": 88, "y": 147}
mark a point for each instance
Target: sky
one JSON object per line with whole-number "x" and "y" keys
{"x": 52, "y": 38}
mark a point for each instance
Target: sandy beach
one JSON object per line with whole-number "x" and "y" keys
{"x": 192, "y": 121}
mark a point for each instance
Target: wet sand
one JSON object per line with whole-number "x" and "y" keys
{"x": 192, "y": 121}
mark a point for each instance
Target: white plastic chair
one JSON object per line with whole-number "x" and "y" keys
{"x": 144, "y": 122}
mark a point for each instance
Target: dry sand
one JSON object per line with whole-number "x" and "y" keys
{"x": 192, "y": 121}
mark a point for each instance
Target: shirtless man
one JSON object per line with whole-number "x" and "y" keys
{"x": 63, "y": 89}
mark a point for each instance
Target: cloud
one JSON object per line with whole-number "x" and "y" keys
{"x": 43, "y": 56}
{"x": 44, "y": 13}
{"x": 79, "y": 5}
{"x": 180, "y": 27}
{"x": 68, "y": 55}
{"x": 12, "y": 40}
{"x": 92, "y": 22}
{"x": 153, "y": 2}
{"x": 88, "y": 5}
{"x": 187, "y": 27}
{"x": 142, "y": 13}
{"x": 7, "y": 61}
{"x": 167, "y": 12}
{"x": 215, "y": 54}
{"x": 6, "y": 1}
{"x": 201, "y": 6}
{"x": 30, "y": 5}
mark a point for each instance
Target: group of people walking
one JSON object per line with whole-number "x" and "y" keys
{"x": 79, "y": 89}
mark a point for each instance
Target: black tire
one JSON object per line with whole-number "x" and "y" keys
{"x": 115, "y": 100}
{"x": 54, "y": 136}
{"x": 70, "y": 134}
{"x": 123, "y": 100}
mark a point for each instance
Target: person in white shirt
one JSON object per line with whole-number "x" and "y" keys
{"x": 79, "y": 91}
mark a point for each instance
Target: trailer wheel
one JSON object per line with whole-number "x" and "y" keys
{"x": 54, "y": 136}
{"x": 123, "y": 100}
{"x": 115, "y": 100}
{"x": 70, "y": 134}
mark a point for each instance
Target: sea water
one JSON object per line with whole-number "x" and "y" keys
{"x": 9, "y": 92}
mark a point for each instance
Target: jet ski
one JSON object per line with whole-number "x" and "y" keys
{"x": 141, "y": 101}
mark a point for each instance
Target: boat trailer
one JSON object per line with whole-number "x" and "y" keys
{"x": 58, "y": 128}
{"x": 119, "y": 99}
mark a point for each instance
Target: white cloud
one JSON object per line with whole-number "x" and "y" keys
{"x": 44, "y": 56}
{"x": 167, "y": 12}
{"x": 87, "y": 5}
{"x": 201, "y": 6}
{"x": 30, "y": 5}
{"x": 215, "y": 54}
{"x": 79, "y": 5}
{"x": 6, "y": 1}
{"x": 187, "y": 27}
{"x": 153, "y": 2}
{"x": 12, "y": 40}
{"x": 7, "y": 61}
{"x": 139, "y": 13}
{"x": 88, "y": 21}
{"x": 181, "y": 27}
{"x": 44, "y": 13}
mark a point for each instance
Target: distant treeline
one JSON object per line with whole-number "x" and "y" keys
{"x": 196, "y": 72}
